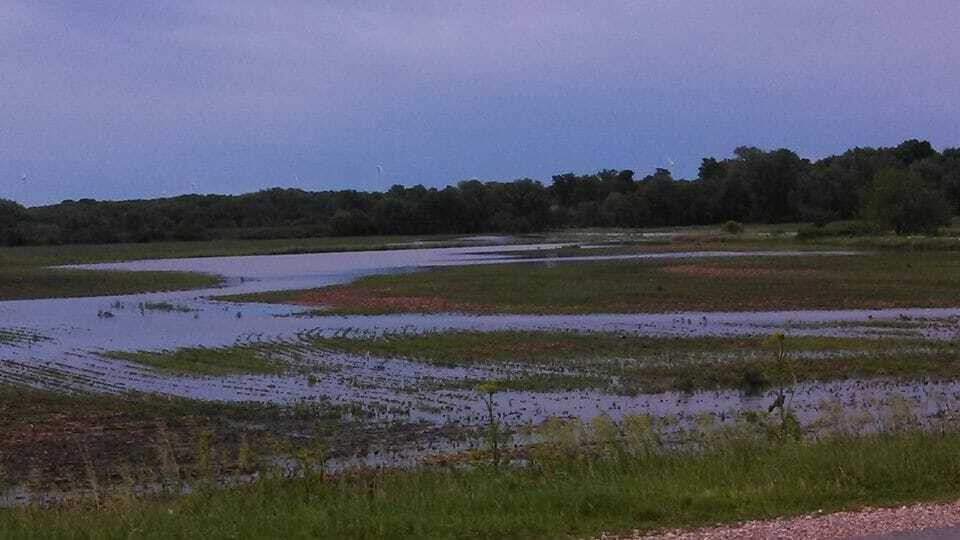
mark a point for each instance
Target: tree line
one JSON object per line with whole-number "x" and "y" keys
{"x": 908, "y": 188}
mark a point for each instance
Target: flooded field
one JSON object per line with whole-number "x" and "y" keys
{"x": 123, "y": 397}
{"x": 72, "y": 344}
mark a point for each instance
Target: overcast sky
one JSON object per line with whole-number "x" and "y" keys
{"x": 118, "y": 99}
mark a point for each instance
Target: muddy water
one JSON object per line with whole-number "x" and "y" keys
{"x": 75, "y": 330}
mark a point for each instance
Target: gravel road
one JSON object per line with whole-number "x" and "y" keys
{"x": 914, "y": 522}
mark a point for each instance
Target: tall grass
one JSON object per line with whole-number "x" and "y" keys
{"x": 556, "y": 495}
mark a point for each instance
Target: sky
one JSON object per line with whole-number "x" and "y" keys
{"x": 112, "y": 99}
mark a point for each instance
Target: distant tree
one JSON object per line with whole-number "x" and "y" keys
{"x": 913, "y": 150}
{"x": 392, "y": 215}
{"x": 11, "y": 213}
{"x": 659, "y": 192}
{"x": 710, "y": 169}
{"x": 624, "y": 210}
{"x": 350, "y": 223}
{"x": 12, "y": 216}
{"x": 770, "y": 179}
{"x": 904, "y": 203}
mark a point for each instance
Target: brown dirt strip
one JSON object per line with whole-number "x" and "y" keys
{"x": 818, "y": 526}
{"x": 697, "y": 270}
{"x": 348, "y": 297}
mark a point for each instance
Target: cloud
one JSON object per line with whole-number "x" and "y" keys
{"x": 125, "y": 99}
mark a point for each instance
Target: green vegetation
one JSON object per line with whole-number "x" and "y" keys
{"x": 18, "y": 283}
{"x": 881, "y": 280}
{"x": 556, "y": 496}
{"x": 753, "y": 186}
{"x": 255, "y": 359}
{"x": 166, "y": 307}
{"x": 627, "y": 364}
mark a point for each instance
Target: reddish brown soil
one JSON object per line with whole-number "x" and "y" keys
{"x": 52, "y": 444}
{"x": 381, "y": 300}
{"x": 62, "y": 446}
{"x": 697, "y": 270}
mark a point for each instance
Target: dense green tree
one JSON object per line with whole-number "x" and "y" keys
{"x": 913, "y": 150}
{"x": 904, "y": 203}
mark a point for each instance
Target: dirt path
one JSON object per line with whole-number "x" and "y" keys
{"x": 914, "y": 522}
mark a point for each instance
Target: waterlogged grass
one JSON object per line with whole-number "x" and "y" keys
{"x": 62, "y": 442}
{"x": 555, "y": 497}
{"x": 534, "y": 346}
{"x": 18, "y": 336}
{"x": 628, "y": 364}
{"x": 207, "y": 361}
{"x": 878, "y": 280}
{"x": 19, "y": 283}
{"x": 165, "y": 307}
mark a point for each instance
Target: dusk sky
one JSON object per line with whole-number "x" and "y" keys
{"x": 119, "y": 99}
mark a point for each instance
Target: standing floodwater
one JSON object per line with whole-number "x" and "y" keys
{"x": 68, "y": 336}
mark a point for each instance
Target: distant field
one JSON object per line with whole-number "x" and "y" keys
{"x": 23, "y": 276}
{"x": 97, "y": 253}
{"x": 868, "y": 280}
{"x": 23, "y": 272}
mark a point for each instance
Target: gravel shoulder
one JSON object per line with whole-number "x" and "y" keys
{"x": 914, "y": 522}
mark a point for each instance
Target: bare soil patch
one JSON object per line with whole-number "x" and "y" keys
{"x": 354, "y": 298}
{"x": 699, "y": 270}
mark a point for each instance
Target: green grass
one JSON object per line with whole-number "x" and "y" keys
{"x": 626, "y": 364}
{"x": 553, "y": 498}
{"x": 878, "y": 280}
{"x": 207, "y": 361}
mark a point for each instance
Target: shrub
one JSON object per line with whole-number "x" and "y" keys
{"x": 838, "y": 229}
{"x": 732, "y": 227}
